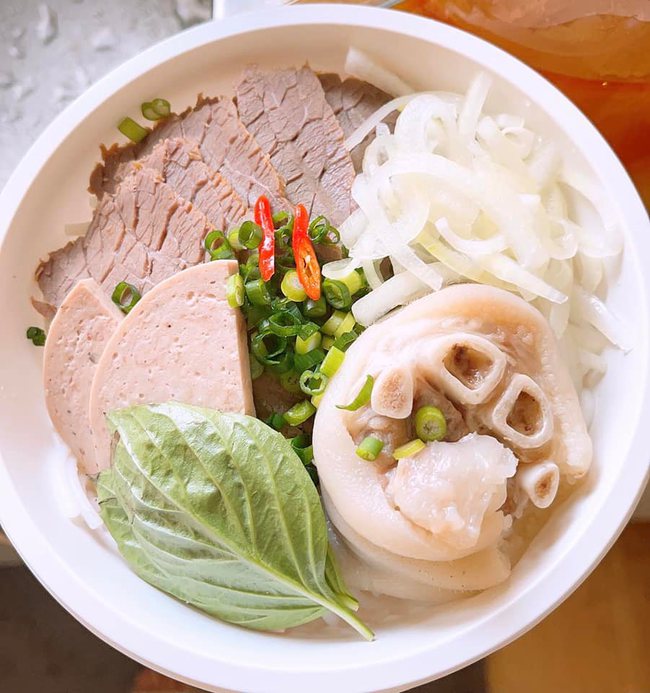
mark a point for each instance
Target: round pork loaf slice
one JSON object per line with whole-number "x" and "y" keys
{"x": 81, "y": 328}
{"x": 182, "y": 342}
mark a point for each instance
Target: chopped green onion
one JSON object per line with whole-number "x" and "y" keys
{"x": 430, "y": 423}
{"x": 312, "y": 358}
{"x": 299, "y": 413}
{"x": 282, "y": 219}
{"x": 283, "y": 323}
{"x": 337, "y": 294}
{"x": 343, "y": 342}
{"x": 233, "y": 239}
{"x": 409, "y": 449}
{"x": 321, "y": 231}
{"x": 36, "y": 335}
{"x": 332, "y": 362}
{"x": 328, "y": 342}
{"x": 370, "y": 448}
{"x": 303, "y": 448}
{"x": 162, "y": 107}
{"x": 249, "y": 235}
{"x": 258, "y": 292}
{"x": 235, "y": 291}
{"x": 307, "y": 329}
{"x": 255, "y": 314}
{"x": 250, "y": 269}
{"x": 276, "y": 421}
{"x": 292, "y": 288}
{"x": 134, "y": 131}
{"x": 346, "y": 325}
{"x": 362, "y": 398}
{"x": 256, "y": 368}
{"x": 334, "y": 322}
{"x": 149, "y": 112}
{"x": 283, "y": 303}
{"x": 316, "y": 399}
{"x": 304, "y": 346}
{"x": 266, "y": 346}
{"x": 354, "y": 282}
{"x": 290, "y": 381}
{"x": 315, "y": 309}
{"x": 281, "y": 363}
{"x": 125, "y": 296}
{"x": 313, "y": 383}
{"x": 217, "y": 246}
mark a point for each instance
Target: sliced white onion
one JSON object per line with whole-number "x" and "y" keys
{"x": 596, "y": 313}
{"x": 472, "y": 248}
{"x": 338, "y": 269}
{"x": 473, "y": 105}
{"x": 361, "y": 65}
{"x": 396, "y": 291}
{"x": 360, "y": 134}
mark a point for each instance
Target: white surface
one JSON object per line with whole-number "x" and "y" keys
{"x": 81, "y": 569}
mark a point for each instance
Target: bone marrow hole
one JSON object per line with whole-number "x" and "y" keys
{"x": 526, "y": 414}
{"x": 468, "y": 365}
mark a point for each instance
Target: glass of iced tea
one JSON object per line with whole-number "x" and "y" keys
{"x": 596, "y": 51}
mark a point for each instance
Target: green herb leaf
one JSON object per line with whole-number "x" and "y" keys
{"x": 217, "y": 510}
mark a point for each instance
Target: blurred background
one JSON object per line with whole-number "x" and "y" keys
{"x": 598, "y": 53}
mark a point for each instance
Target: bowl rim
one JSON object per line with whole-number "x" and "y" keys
{"x": 133, "y": 639}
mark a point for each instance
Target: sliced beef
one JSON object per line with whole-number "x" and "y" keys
{"x": 353, "y": 101}
{"x": 181, "y": 166}
{"x": 288, "y": 115}
{"x": 226, "y": 146}
{"x": 142, "y": 234}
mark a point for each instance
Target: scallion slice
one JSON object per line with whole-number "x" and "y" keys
{"x": 343, "y": 342}
{"x": 313, "y": 383}
{"x": 337, "y": 294}
{"x": 125, "y": 296}
{"x": 276, "y": 421}
{"x": 292, "y": 288}
{"x": 354, "y": 282}
{"x": 283, "y": 323}
{"x": 266, "y": 346}
{"x": 362, "y": 398}
{"x": 328, "y": 342}
{"x": 258, "y": 292}
{"x": 408, "y": 449}
{"x": 36, "y": 335}
{"x": 290, "y": 381}
{"x": 316, "y": 399}
{"x": 217, "y": 246}
{"x": 332, "y": 362}
{"x": 233, "y": 239}
{"x": 256, "y": 368}
{"x": 249, "y": 235}
{"x": 134, "y": 131}
{"x": 304, "y": 346}
{"x": 430, "y": 424}
{"x": 162, "y": 107}
{"x": 303, "y": 448}
{"x": 235, "y": 291}
{"x": 280, "y": 364}
{"x": 346, "y": 325}
{"x": 321, "y": 231}
{"x": 334, "y": 322}
{"x": 299, "y": 413}
{"x": 312, "y": 358}
{"x": 370, "y": 448}
{"x": 315, "y": 309}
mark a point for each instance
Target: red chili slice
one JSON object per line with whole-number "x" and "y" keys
{"x": 304, "y": 254}
{"x": 264, "y": 218}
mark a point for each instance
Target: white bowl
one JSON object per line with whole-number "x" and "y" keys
{"x": 81, "y": 568}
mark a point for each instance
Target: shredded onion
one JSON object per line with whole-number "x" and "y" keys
{"x": 456, "y": 194}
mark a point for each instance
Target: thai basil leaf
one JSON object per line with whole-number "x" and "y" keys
{"x": 217, "y": 510}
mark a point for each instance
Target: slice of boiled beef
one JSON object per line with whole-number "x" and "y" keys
{"x": 181, "y": 166}
{"x": 142, "y": 234}
{"x": 353, "y": 102}
{"x": 226, "y": 146}
{"x": 288, "y": 115}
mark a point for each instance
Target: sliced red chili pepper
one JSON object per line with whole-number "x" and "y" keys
{"x": 304, "y": 254}
{"x": 264, "y": 218}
